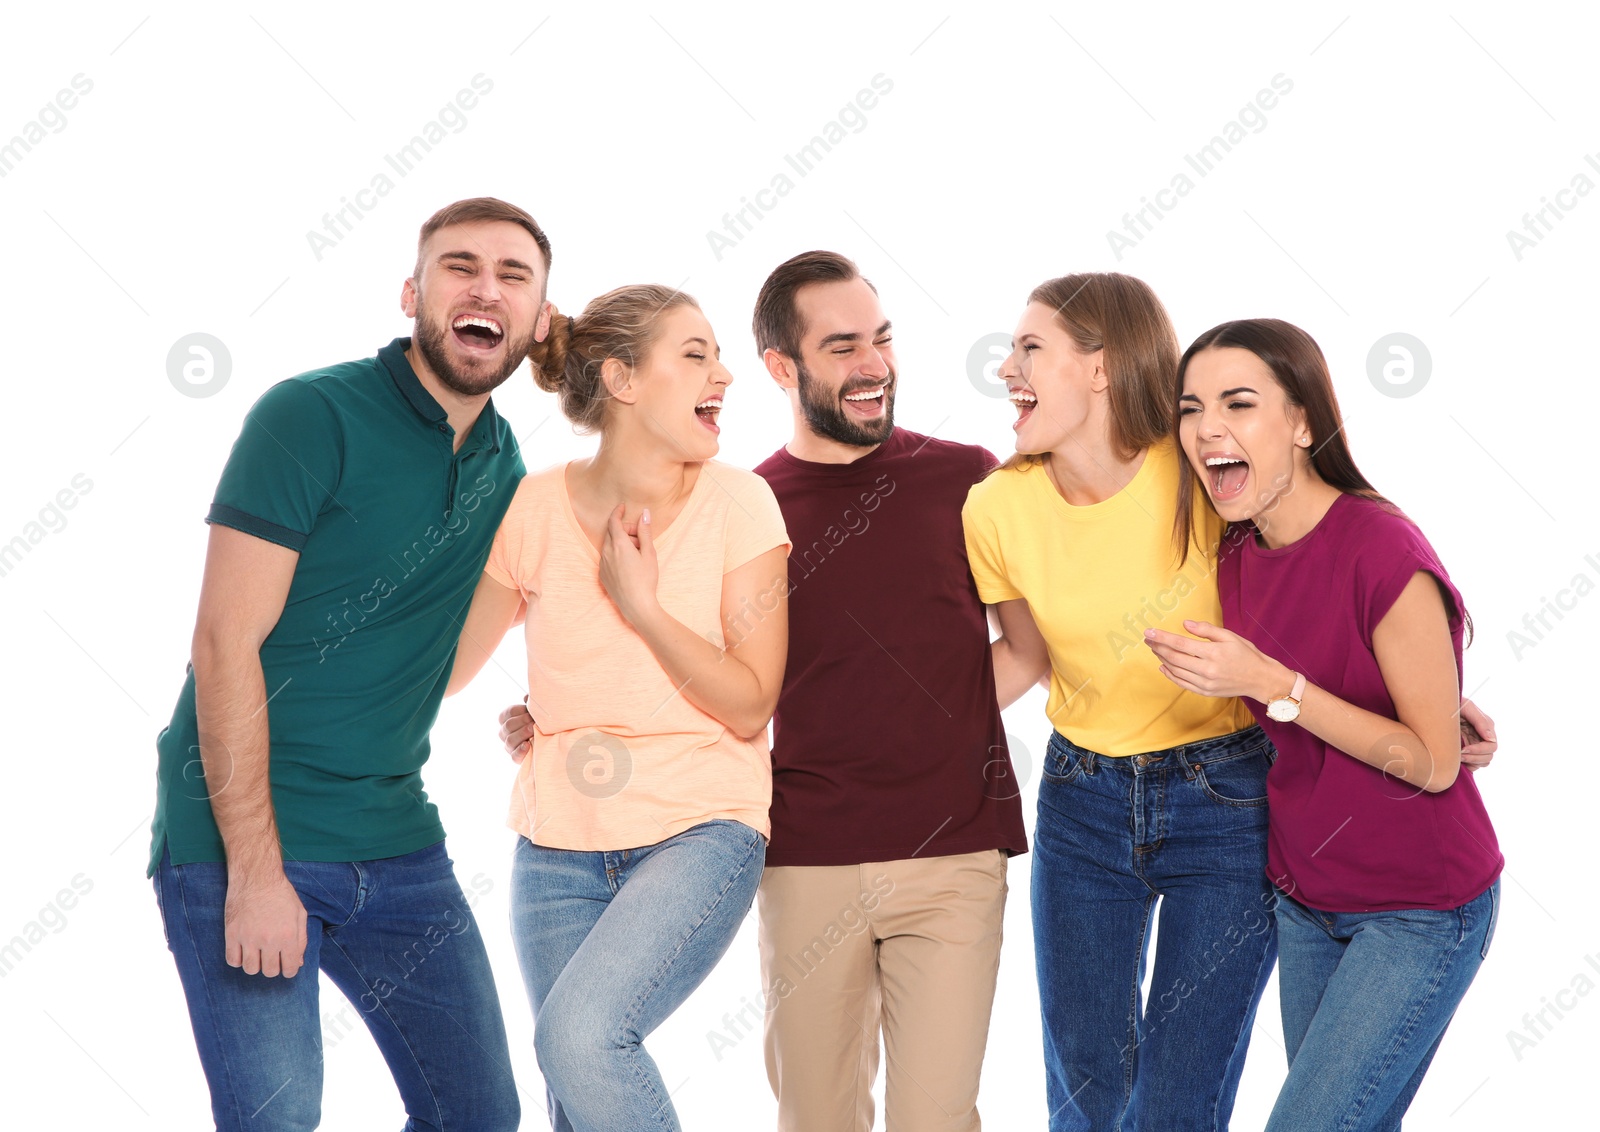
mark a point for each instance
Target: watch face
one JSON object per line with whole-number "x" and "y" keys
{"x": 1284, "y": 710}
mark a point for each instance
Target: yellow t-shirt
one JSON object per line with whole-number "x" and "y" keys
{"x": 1095, "y": 578}
{"x": 620, "y": 759}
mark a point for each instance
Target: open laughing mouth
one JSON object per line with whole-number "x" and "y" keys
{"x": 1025, "y": 403}
{"x": 866, "y": 402}
{"x": 707, "y": 411}
{"x": 1228, "y": 475}
{"x": 478, "y": 333}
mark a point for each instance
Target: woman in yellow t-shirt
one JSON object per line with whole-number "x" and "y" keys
{"x": 654, "y": 583}
{"x": 1150, "y": 794}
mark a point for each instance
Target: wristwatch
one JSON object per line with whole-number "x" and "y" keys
{"x": 1286, "y": 709}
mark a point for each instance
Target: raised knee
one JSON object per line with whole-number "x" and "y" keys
{"x": 565, "y": 1042}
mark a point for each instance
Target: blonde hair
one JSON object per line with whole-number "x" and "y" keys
{"x": 621, "y": 324}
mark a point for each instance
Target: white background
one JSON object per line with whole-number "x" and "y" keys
{"x": 177, "y": 199}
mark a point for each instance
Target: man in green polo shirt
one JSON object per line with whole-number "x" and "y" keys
{"x": 292, "y": 832}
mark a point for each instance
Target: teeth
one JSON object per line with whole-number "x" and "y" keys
{"x": 1219, "y": 461}
{"x": 713, "y": 403}
{"x": 868, "y": 395}
{"x": 1023, "y": 397}
{"x": 473, "y": 320}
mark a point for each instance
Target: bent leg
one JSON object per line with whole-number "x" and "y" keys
{"x": 1381, "y": 1017}
{"x": 678, "y": 907}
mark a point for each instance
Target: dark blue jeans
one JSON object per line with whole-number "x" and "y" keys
{"x": 1185, "y": 827}
{"x": 1366, "y": 999}
{"x": 397, "y": 937}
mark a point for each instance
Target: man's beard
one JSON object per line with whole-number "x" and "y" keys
{"x": 827, "y": 416}
{"x": 468, "y": 383}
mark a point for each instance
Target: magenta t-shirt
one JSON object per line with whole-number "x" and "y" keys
{"x": 1344, "y": 836}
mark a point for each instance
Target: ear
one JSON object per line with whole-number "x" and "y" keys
{"x": 408, "y": 298}
{"x": 541, "y": 329}
{"x": 1300, "y": 430}
{"x": 781, "y": 368}
{"x": 618, "y": 380}
{"x": 1099, "y": 380}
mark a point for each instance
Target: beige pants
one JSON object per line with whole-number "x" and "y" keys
{"x": 911, "y": 948}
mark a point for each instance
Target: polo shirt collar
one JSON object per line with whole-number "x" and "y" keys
{"x": 485, "y": 432}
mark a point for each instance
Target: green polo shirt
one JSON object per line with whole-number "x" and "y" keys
{"x": 353, "y": 466}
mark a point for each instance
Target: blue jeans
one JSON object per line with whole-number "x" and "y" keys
{"x": 1187, "y": 825}
{"x": 398, "y": 938}
{"x": 611, "y": 943}
{"x": 1366, "y": 997}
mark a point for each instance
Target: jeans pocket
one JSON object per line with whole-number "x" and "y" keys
{"x": 1062, "y": 764}
{"x": 1237, "y": 780}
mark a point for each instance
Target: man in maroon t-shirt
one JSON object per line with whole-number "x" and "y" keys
{"x": 894, "y": 807}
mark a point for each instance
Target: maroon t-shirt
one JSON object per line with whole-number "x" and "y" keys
{"x": 1344, "y": 836}
{"x": 887, "y": 742}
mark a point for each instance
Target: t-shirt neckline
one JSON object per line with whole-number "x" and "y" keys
{"x": 1125, "y": 497}
{"x": 1304, "y": 540}
{"x": 689, "y": 505}
{"x": 828, "y": 468}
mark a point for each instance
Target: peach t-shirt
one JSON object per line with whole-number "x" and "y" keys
{"x": 620, "y": 758}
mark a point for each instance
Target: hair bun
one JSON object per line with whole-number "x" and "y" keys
{"x": 549, "y": 358}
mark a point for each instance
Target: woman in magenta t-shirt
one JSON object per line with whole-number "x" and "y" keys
{"x": 1344, "y": 639}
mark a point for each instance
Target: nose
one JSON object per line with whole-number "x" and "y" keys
{"x": 1209, "y": 424}
{"x": 876, "y": 364}
{"x": 486, "y": 285}
{"x": 1011, "y": 366}
{"x": 721, "y": 375}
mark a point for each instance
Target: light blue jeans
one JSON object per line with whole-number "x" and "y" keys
{"x": 1366, "y": 997}
{"x": 610, "y": 945}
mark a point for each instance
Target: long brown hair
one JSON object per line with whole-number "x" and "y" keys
{"x": 1297, "y": 363}
{"x": 1106, "y": 310}
{"x": 1301, "y": 370}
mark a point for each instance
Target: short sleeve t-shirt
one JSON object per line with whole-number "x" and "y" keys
{"x": 620, "y": 759}
{"x": 1344, "y": 836}
{"x": 887, "y": 743}
{"x": 354, "y": 467}
{"x": 1095, "y": 578}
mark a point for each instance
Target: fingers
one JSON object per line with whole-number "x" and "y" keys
{"x": 1476, "y": 716}
{"x": 1164, "y": 643}
{"x": 618, "y": 532}
{"x": 646, "y": 539}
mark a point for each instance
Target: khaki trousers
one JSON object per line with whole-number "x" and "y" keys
{"x": 910, "y": 949}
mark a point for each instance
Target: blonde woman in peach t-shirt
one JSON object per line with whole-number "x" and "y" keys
{"x": 654, "y": 585}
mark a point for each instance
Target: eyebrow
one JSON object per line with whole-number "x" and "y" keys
{"x": 1025, "y": 337}
{"x": 852, "y": 336}
{"x": 472, "y": 258}
{"x": 1237, "y": 389}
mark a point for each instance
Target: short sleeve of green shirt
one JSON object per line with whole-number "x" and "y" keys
{"x": 284, "y": 468}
